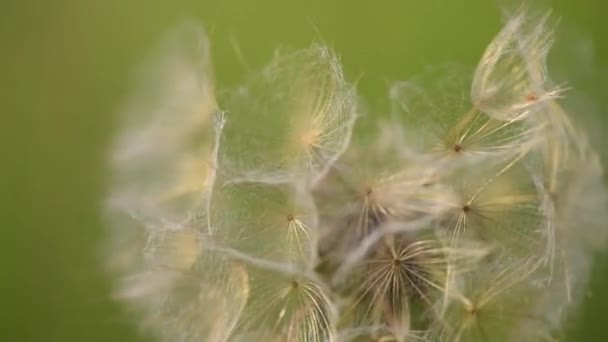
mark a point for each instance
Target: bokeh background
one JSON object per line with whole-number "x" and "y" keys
{"x": 67, "y": 67}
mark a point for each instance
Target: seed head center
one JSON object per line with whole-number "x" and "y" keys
{"x": 309, "y": 138}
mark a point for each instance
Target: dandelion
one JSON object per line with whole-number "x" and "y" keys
{"x": 471, "y": 214}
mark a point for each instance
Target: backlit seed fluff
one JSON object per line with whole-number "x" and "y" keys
{"x": 511, "y": 77}
{"x": 472, "y": 214}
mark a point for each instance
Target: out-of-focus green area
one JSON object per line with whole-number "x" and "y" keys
{"x": 67, "y": 67}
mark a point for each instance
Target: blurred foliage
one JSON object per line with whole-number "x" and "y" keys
{"x": 67, "y": 68}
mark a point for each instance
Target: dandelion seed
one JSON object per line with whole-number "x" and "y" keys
{"x": 488, "y": 302}
{"x": 304, "y": 111}
{"x": 399, "y": 273}
{"x": 189, "y": 304}
{"x": 511, "y": 77}
{"x": 575, "y": 229}
{"x": 287, "y": 307}
{"x": 272, "y": 222}
{"x": 210, "y": 313}
{"x": 165, "y": 155}
{"x": 396, "y": 273}
{"x": 447, "y": 124}
{"x": 498, "y": 204}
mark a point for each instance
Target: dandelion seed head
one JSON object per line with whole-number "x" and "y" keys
{"x": 473, "y": 213}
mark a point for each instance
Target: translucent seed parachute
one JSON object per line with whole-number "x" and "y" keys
{"x": 471, "y": 214}
{"x": 291, "y": 120}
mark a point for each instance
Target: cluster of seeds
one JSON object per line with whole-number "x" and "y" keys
{"x": 470, "y": 213}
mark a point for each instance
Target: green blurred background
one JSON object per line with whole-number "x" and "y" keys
{"x": 67, "y": 67}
